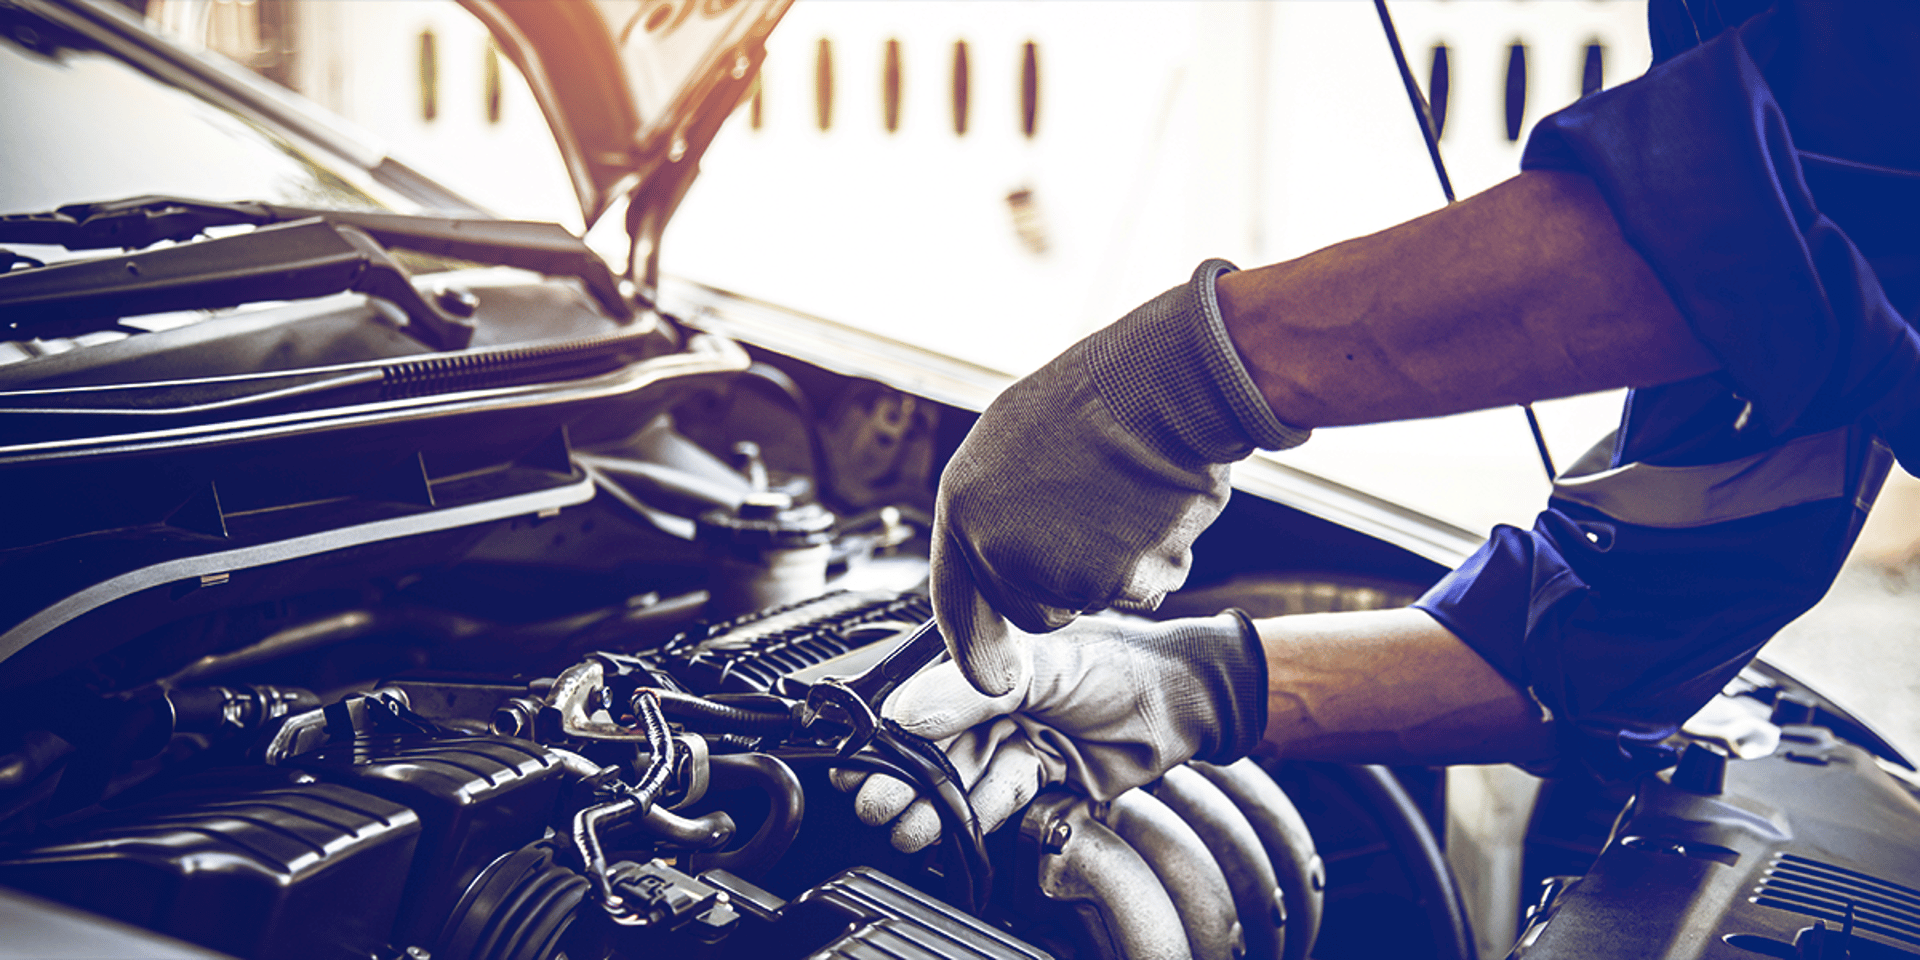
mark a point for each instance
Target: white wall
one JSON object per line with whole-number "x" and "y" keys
{"x": 1168, "y": 132}
{"x": 361, "y": 59}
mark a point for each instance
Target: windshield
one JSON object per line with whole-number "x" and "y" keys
{"x": 85, "y": 126}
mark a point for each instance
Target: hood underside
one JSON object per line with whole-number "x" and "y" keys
{"x": 633, "y": 89}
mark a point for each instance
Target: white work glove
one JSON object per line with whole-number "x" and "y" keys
{"x": 1106, "y": 705}
{"x": 1084, "y": 485}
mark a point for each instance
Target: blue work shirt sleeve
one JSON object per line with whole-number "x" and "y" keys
{"x": 1619, "y": 611}
{"x": 1697, "y": 163}
{"x": 1621, "y": 632}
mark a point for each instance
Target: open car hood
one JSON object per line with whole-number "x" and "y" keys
{"x": 634, "y": 90}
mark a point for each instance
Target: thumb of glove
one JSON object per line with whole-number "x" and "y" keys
{"x": 981, "y": 641}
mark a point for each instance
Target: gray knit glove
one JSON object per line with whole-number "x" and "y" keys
{"x": 1084, "y": 485}
{"x": 1107, "y": 705}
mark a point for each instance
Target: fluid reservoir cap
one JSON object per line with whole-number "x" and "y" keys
{"x": 1702, "y": 770}
{"x": 1789, "y": 710}
{"x": 768, "y": 520}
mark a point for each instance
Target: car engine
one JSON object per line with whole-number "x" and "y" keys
{"x": 594, "y": 716}
{"x": 532, "y": 651}
{"x": 384, "y": 581}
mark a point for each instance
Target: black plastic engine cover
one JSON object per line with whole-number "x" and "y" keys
{"x": 1806, "y": 854}
{"x": 886, "y": 918}
{"x": 750, "y": 654}
{"x": 251, "y": 862}
{"x": 476, "y": 797}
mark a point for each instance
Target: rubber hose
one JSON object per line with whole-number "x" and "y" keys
{"x": 1420, "y": 853}
{"x": 786, "y": 807}
{"x": 686, "y": 706}
{"x": 705, "y": 832}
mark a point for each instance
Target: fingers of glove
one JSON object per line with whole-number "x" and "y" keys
{"x": 845, "y": 780}
{"x": 882, "y": 798}
{"x": 1012, "y": 778}
{"x": 997, "y": 751}
{"x": 939, "y": 702}
{"x": 977, "y": 637}
{"x": 916, "y": 828}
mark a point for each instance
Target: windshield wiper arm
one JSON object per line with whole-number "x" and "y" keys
{"x": 129, "y": 224}
{"x": 307, "y": 258}
{"x": 138, "y": 222}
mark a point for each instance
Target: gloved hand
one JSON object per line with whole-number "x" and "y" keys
{"x": 1106, "y": 705}
{"x": 1084, "y": 485}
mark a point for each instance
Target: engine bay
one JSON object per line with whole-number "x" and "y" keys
{"x": 536, "y": 650}
{"x": 548, "y": 647}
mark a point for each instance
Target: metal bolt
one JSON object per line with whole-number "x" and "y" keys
{"x": 460, "y": 303}
{"x": 1057, "y": 836}
{"x": 418, "y": 953}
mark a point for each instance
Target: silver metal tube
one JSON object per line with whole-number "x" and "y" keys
{"x": 1127, "y": 912}
{"x": 1188, "y": 870}
{"x": 1237, "y": 847}
{"x": 1296, "y": 864}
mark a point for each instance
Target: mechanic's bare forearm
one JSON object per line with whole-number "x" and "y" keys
{"x": 1525, "y": 292}
{"x": 1390, "y": 686}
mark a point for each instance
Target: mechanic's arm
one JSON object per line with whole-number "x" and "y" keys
{"x": 1390, "y": 686}
{"x": 1084, "y": 485}
{"x": 1525, "y": 292}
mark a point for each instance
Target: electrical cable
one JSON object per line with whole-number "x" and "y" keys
{"x": 588, "y": 823}
{"x": 889, "y": 755}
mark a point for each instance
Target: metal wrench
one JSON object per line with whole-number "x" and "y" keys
{"x": 856, "y": 702}
{"x": 921, "y": 648}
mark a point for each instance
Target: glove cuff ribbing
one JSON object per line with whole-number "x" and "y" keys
{"x": 1243, "y": 715}
{"x": 1170, "y": 374}
{"x": 1220, "y": 700}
